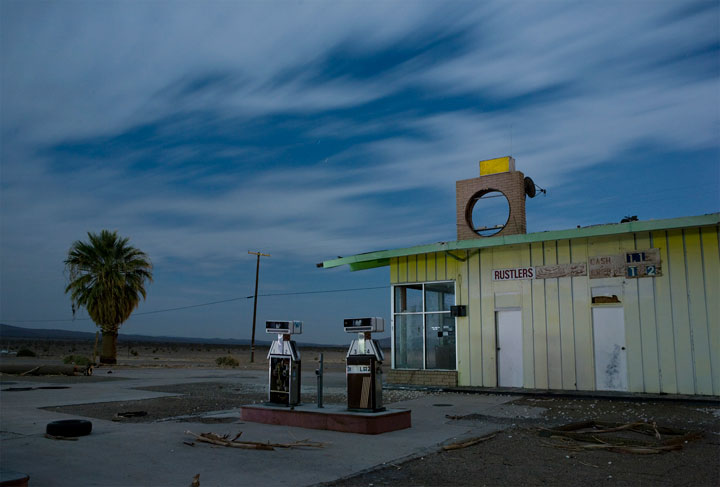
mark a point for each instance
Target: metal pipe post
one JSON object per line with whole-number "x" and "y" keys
{"x": 252, "y": 341}
{"x": 319, "y": 373}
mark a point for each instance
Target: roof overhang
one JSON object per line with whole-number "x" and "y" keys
{"x": 382, "y": 258}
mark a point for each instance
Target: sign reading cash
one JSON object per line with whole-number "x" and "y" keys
{"x": 631, "y": 264}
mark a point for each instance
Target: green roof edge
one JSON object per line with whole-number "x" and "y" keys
{"x": 382, "y": 258}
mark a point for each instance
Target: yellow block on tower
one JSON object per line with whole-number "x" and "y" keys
{"x": 498, "y": 165}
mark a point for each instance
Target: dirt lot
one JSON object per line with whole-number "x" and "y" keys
{"x": 518, "y": 455}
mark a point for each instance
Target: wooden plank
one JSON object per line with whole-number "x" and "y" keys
{"x": 412, "y": 268}
{"x": 582, "y": 321}
{"x": 421, "y": 265}
{"x": 567, "y": 335}
{"x": 402, "y": 269}
{"x": 664, "y": 320}
{"x": 698, "y": 313}
{"x": 430, "y": 266}
{"x": 539, "y": 321}
{"x": 451, "y": 264}
{"x": 487, "y": 313}
{"x": 394, "y": 270}
{"x": 648, "y": 325}
{"x": 633, "y": 338}
{"x": 711, "y": 264}
{"x": 474, "y": 342}
{"x": 603, "y": 245}
{"x": 441, "y": 266}
{"x": 679, "y": 304}
{"x": 552, "y": 314}
{"x": 527, "y": 318}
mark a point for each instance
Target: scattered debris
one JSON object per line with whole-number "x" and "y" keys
{"x": 27, "y": 372}
{"x": 585, "y": 436}
{"x": 452, "y": 416}
{"x": 129, "y": 414}
{"x": 67, "y": 438}
{"x": 225, "y": 440}
{"x": 45, "y": 369}
{"x": 467, "y": 443}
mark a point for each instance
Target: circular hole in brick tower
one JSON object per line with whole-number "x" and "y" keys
{"x": 489, "y": 213}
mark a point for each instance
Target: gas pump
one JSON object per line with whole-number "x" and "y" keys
{"x": 284, "y": 360}
{"x": 364, "y": 365}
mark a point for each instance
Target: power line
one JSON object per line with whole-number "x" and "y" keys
{"x": 326, "y": 291}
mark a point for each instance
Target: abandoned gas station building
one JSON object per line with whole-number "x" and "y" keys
{"x": 632, "y": 306}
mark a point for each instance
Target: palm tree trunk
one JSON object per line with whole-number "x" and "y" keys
{"x": 109, "y": 347}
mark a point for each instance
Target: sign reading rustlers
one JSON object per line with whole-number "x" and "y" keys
{"x": 512, "y": 274}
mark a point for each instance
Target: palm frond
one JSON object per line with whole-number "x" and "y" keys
{"x": 107, "y": 277}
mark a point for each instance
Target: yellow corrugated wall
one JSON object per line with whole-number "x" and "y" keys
{"x": 672, "y": 322}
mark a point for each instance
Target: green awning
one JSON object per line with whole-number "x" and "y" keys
{"x": 382, "y": 258}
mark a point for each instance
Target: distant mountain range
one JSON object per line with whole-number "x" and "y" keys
{"x": 17, "y": 332}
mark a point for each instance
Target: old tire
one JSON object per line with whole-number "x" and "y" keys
{"x": 69, "y": 427}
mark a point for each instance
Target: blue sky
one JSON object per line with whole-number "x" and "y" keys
{"x": 309, "y": 130}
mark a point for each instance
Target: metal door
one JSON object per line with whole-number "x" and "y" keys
{"x": 610, "y": 353}
{"x": 509, "y": 348}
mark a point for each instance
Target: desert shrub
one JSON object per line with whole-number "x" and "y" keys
{"x": 77, "y": 360}
{"x": 134, "y": 353}
{"x": 26, "y": 352}
{"x": 227, "y": 361}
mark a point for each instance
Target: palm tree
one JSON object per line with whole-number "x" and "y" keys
{"x": 107, "y": 277}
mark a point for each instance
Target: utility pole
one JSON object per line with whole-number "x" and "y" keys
{"x": 257, "y": 275}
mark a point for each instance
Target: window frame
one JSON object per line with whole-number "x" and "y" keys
{"x": 424, "y": 324}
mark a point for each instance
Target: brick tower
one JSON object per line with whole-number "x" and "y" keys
{"x": 496, "y": 175}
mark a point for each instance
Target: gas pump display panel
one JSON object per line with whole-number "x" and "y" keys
{"x": 284, "y": 327}
{"x": 352, "y": 325}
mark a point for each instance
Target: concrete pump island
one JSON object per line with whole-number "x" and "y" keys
{"x": 364, "y": 412}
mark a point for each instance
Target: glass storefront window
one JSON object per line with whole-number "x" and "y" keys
{"x": 439, "y": 296}
{"x": 439, "y": 341}
{"x": 409, "y": 299}
{"x": 408, "y": 342}
{"x": 424, "y": 335}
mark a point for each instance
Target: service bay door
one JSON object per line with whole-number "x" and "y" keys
{"x": 610, "y": 353}
{"x": 509, "y": 348}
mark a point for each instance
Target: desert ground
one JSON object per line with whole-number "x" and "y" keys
{"x": 522, "y": 453}
{"x": 168, "y": 354}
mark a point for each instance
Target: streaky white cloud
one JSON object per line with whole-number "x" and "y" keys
{"x": 561, "y": 86}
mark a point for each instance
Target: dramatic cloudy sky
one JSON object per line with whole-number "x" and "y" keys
{"x": 311, "y": 129}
